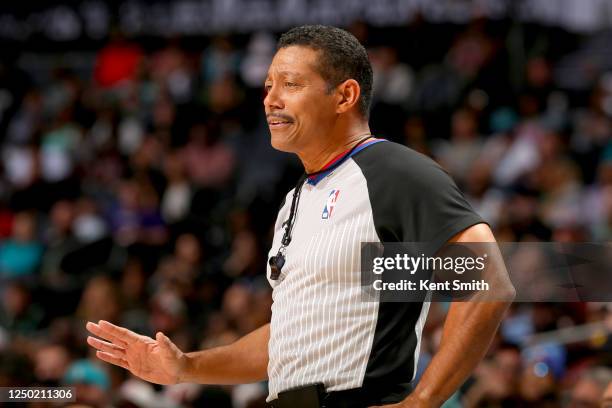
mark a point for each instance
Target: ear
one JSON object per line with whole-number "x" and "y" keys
{"x": 348, "y": 95}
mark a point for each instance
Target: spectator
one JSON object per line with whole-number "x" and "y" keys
{"x": 464, "y": 146}
{"x": 176, "y": 198}
{"x": 19, "y": 313}
{"x": 51, "y": 362}
{"x": 209, "y": 162}
{"x": 91, "y": 383}
{"x": 589, "y": 390}
{"x": 100, "y": 300}
{"x": 607, "y": 397}
{"x": 496, "y": 380}
{"x": 22, "y": 253}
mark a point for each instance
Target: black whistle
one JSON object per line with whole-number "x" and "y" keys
{"x": 276, "y": 265}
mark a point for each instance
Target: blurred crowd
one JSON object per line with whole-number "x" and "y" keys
{"x": 143, "y": 190}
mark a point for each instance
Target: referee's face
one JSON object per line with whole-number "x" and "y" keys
{"x": 298, "y": 107}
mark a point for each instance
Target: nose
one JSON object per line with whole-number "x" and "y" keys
{"x": 273, "y": 99}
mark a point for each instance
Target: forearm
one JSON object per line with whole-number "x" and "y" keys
{"x": 244, "y": 361}
{"x": 468, "y": 331}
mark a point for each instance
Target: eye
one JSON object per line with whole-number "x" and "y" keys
{"x": 267, "y": 87}
{"x": 291, "y": 84}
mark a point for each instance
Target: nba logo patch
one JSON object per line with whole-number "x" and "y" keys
{"x": 330, "y": 204}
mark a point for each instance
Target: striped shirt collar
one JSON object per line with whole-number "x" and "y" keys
{"x": 338, "y": 160}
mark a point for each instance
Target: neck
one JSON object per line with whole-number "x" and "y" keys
{"x": 316, "y": 158}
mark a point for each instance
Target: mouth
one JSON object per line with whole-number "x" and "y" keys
{"x": 278, "y": 123}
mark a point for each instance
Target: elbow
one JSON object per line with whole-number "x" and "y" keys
{"x": 508, "y": 293}
{"x": 507, "y": 296}
{"x": 503, "y": 290}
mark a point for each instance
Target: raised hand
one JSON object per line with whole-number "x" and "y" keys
{"x": 155, "y": 360}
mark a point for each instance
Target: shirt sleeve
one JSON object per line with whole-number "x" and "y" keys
{"x": 413, "y": 199}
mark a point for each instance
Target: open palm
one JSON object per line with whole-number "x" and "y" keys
{"x": 155, "y": 360}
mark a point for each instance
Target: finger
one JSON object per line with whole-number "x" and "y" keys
{"x": 110, "y": 358}
{"x": 102, "y": 329}
{"x": 121, "y": 333}
{"x": 100, "y": 332}
{"x": 105, "y": 346}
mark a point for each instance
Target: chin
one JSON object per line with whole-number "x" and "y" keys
{"x": 282, "y": 143}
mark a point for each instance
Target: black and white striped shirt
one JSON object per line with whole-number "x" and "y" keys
{"x": 322, "y": 330}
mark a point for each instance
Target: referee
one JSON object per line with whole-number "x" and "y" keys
{"x": 325, "y": 346}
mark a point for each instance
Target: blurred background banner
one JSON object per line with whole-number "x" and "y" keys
{"x": 138, "y": 184}
{"x": 93, "y": 19}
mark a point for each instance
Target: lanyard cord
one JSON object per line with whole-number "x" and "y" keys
{"x": 298, "y": 190}
{"x": 288, "y": 224}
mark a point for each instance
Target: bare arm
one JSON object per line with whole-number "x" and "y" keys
{"x": 467, "y": 334}
{"x": 244, "y": 361}
{"x": 472, "y": 326}
{"x": 160, "y": 361}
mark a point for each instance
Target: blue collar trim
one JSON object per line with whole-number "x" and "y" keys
{"x": 315, "y": 179}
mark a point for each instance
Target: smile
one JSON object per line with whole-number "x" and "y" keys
{"x": 278, "y": 123}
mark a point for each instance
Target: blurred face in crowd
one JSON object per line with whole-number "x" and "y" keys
{"x": 508, "y": 362}
{"x": 298, "y": 106}
{"x": 464, "y": 125}
{"x": 100, "y": 300}
{"x": 607, "y": 397}
{"x": 24, "y": 227}
{"x": 15, "y": 299}
{"x": 586, "y": 394}
{"x": 51, "y": 362}
{"x": 62, "y": 216}
{"x": 188, "y": 249}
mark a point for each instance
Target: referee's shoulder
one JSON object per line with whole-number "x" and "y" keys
{"x": 392, "y": 160}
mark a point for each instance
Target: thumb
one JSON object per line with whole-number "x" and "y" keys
{"x": 163, "y": 341}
